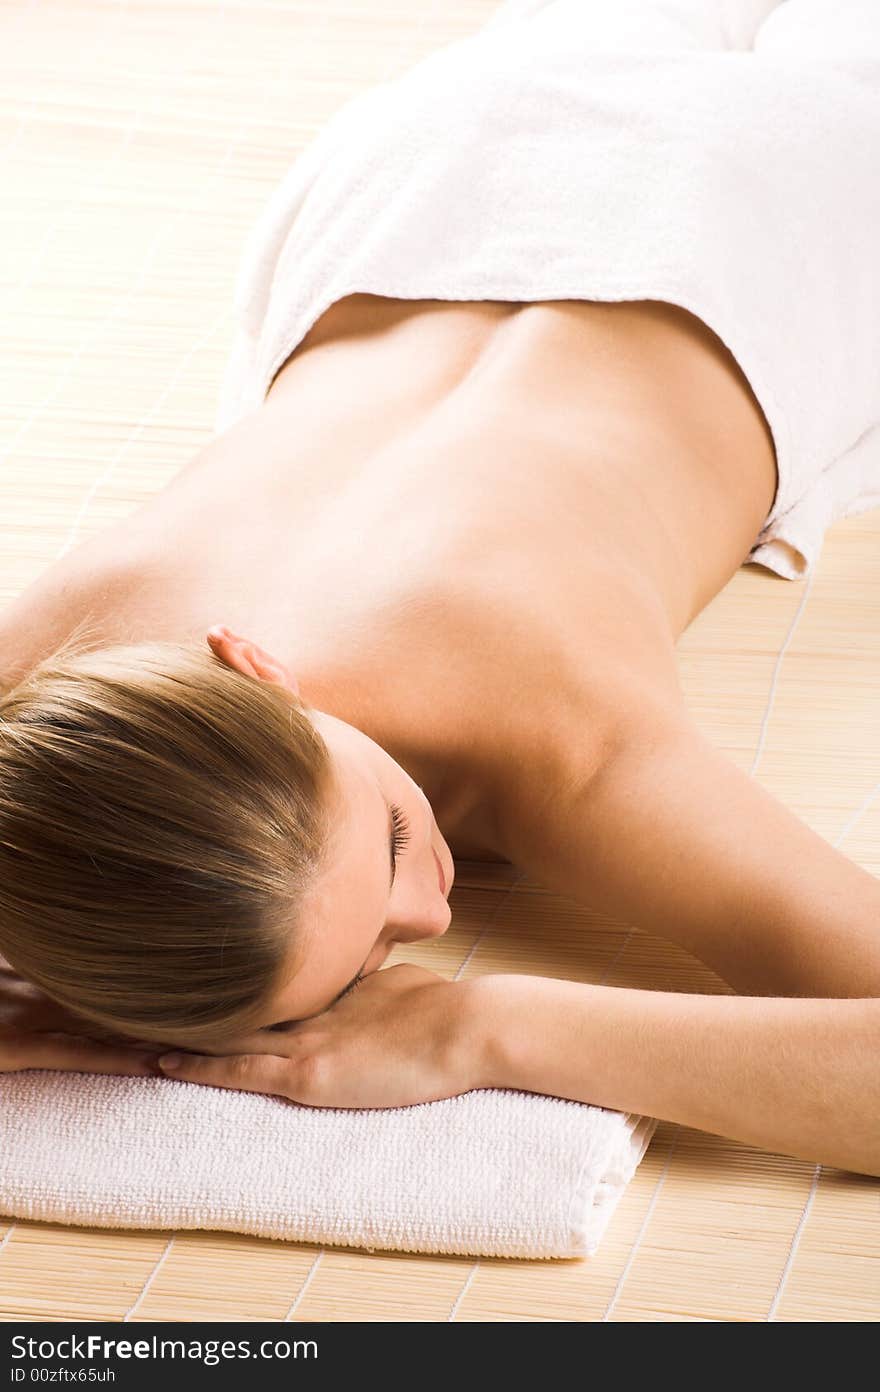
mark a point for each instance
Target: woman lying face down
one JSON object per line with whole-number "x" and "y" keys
{"x": 188, "y": 854}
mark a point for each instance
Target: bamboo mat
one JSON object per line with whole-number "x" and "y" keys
{"x": 138, "y": 142}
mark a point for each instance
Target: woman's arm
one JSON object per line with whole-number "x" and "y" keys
{"x": 666, "y": 833}
{"x": 799, "y": 1077}
{"x": 37, "y": 1032}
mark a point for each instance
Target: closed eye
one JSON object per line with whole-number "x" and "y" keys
{"x": 351, "y": 986}
{"x": 288, "y": 1024}
{"x": 400, "y": 834}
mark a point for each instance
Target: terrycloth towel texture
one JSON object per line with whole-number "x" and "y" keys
{"x": 722, "y": 155}
{"x": 489, "y": 1173}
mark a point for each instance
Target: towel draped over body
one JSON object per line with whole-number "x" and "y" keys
{"x": 722, "y": 155}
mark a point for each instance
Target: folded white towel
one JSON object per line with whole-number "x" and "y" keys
{"x": 489, "y": 1173}
{"x": 721, "y": 155}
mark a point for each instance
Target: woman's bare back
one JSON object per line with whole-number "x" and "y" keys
{"x": 447, "y": 518}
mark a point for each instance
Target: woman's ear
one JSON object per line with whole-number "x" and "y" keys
{"x": 250, "y": 659}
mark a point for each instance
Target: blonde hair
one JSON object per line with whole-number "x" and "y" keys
{"x": 162, "y": 817}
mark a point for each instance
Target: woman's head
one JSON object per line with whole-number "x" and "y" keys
{"x": 188, "y": 852}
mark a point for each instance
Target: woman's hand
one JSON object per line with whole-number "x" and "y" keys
{"x": 37, "y": 1032}
{"x": 404, "y": 1035}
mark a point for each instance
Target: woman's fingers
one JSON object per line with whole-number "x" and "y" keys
{"x": 54, "y": 1049}
{"x": 266, "y": 1073}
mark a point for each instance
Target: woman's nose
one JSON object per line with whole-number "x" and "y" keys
{"x": 415, "y": 933}
{"x": 433, "y": 925}
{"x": 413, "y": 928}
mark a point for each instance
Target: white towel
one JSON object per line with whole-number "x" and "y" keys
{"x": 490, "y": 1173}
{"x": 722, "y": 155}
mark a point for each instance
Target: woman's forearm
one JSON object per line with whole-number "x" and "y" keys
{"x": 792, "y": 1075}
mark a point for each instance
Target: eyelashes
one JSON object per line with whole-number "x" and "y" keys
{"x": 286, "y": 1024}
{"x": 400, "y": 830}
{"x": 352, "y": 985}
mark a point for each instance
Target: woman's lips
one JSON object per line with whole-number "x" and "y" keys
{"x": 441, "y": 877}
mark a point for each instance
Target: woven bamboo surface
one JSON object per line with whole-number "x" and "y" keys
{"x": 138, "y": 142}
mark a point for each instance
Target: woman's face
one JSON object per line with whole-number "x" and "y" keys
{"x": 381, "y": 881}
